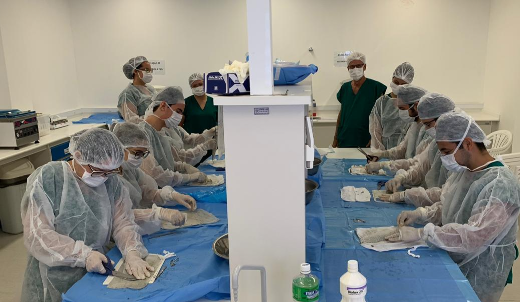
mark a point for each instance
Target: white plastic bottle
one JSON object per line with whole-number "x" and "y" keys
{"x": 353, "y": 285}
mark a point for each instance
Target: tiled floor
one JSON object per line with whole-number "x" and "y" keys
{"x": 13, "y": 257}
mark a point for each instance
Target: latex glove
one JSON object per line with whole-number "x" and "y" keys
{"x": 185, "y": 200}
{"x": 394, "y": 184}
{"x": 410, "y": 217}
{"x": 190, "y": 169}
{"x": 136, "y": 266}
{"x": 95, "y": 261}
{"x": 210, "y": 145}
{"x": 374, "y": 167}
{"x": 170, "y": 215}
{"x": 210, "y": 133}
{"x": 372, "y": 158}
{"x": 198, "y": 177}
{"x": 396, "y": 197}
{"x": 406, "y": 234}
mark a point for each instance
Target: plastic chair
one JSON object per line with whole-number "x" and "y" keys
{"x": 512, "y": 160}
{"x": 501, "y": 141}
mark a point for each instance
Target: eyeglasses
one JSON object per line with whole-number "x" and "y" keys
{"x": 139, "y": 154}
{"x": 146, "y": 70}
{"x": 356, "y": 66}
{"x": 102, "y": 173}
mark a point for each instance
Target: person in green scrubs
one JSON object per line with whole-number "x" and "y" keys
{"x": 200, "y": 113}
{"x": 357, "y": 99}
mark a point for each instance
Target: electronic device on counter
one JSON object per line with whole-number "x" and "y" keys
{"x": 58, "y": 122}
{"x": 18, "y": 128}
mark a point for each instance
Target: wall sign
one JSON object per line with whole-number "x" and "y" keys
{"x": 340, "y": 58}
{"x": 158, "y": 67}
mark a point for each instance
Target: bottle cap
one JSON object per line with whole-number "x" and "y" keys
{"x": 305, "y": 268}
{"x": 352, "y": 266}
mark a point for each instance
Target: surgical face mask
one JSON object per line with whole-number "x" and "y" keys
{"x": 449, "y": 162}
{"x": 403, "y": 115}
{"x": 88, "y": 179}
{"x": 431, "y": 132}
{"x": 198, "y": 91}
{"x": 147, "y": 76}
{"x": 174, "y": 120}
{"x": 356, "y": 73}
{"x": 394, "y": 87}
{"x": 133, "y": 161}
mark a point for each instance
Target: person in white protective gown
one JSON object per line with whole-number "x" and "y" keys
{"x": 476, "y": 217}
{"x": 146, "y": 197}
{"x": 407, "y": 100}
{"x": 137, "y": 96}
{"x": 386, "y": 128}
{"x": 427, "y": 170}
{"x": 188, "y": 148}
{"x": 70, "y": 211}
{"x": 167, "y": 163}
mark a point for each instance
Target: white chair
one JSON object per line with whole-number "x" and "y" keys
{"x": 512, "y": 160}
{"x": 501, "y": 141}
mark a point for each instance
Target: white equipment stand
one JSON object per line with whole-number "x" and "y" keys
{"x": 265, "y": 169}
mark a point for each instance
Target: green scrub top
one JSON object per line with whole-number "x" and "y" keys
{"x": 355, "y": 110}
{"x": 196, "y": 120}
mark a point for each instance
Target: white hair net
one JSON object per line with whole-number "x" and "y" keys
{"x": 405, "y": 72}
{"x": 131, "y": 136}
{"x": 452, "y": 126}
{"x": 433, "y": 105}
{"x": 195, "y": 77}
{"x": 97, "y": 147}
{"x": 131, "y": 65}
{"x": 410, "y": 94}
{"x": 355, "y": 55}
{"x": 171, "y": 95}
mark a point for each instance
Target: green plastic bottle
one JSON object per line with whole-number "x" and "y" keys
{"x": 306, "y": 286}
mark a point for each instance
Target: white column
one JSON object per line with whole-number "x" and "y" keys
{"x": 265, "y": 190}
{"x": 260, "y": 47}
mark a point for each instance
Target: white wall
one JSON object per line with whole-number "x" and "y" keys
{"x": 503, "y": 66}
{"x": 46, "y": 42}
{"x": 5, "y": 96}
{"x": 191, "y": 36}
{"x": 39, "y": 56}
{"x": 445, "y": 40}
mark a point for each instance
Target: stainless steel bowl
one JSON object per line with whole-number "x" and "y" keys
{"x": 221, "y": 246}
{"x": 315, "y": 167}
{"x": 310, "y": 187}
